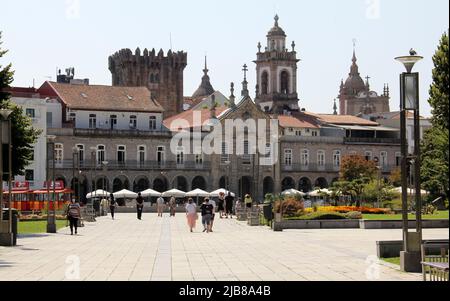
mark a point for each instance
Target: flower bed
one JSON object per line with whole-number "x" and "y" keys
{"x": 345, "y": 209}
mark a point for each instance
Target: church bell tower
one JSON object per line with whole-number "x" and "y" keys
{"x": 276, "y": 71}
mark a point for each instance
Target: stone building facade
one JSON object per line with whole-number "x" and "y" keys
{"x": 307, "y": 154}
{"x": 162, "y": 75}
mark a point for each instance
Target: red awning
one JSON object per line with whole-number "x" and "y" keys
{"x": 17, "y": 192}
{"x": 51, "y": 191}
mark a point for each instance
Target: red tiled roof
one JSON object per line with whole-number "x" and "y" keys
{"x": 297, "y": 122}
{"x": 99, "y": 98}
{"x": 191, "y": 118}
{"x": 343, "y": 119}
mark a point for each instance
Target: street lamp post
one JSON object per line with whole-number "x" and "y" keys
{"x": 377, "y": 161}
{"x": 410, "y": 257}
{"x": 51, "y": 214}
{"x": 93, "y": 182}
{"x": 76, "y": 166}
{"x": 6, "y": 233}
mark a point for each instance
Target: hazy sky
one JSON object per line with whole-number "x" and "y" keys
{"x": 43, "y": 35}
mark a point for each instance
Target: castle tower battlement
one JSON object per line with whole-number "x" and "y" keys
{"x": 162, "y": 74}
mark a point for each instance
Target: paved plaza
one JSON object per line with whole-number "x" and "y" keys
{"x": 163, "y": 249}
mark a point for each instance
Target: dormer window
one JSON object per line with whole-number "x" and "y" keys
{"x": 84, "y": 95}
{"x": 130, "y": 97}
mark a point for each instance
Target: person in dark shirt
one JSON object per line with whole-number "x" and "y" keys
{"x": 207, "y": 212}
{"x": 112, "y": 204}
{"x": 139, "y": 205}
{"x": 73, "y": 214}
{"x": 229, "y": 205}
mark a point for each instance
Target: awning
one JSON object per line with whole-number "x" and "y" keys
{"x": 44, "y": 191}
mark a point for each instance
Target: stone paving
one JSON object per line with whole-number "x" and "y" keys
{"x": 159, "y": 249}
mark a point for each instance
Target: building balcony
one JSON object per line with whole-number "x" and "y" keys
{"x": 135, "y": 165}
{"x": 355, "y": 140}
{"x": 311, "y": 167}
{"x": 108, "y": 133}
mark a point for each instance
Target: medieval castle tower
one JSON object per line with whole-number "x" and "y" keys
{"x": 163, "y": 75}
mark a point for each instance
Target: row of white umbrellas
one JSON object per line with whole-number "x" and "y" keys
{"x": 126, "y": 194}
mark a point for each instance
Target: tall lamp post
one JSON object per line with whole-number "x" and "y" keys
{"x": 76, "y": 166}
{"x": 377, "y": 163}
{"x": 51, "y": 214}
{"x": 410, "y": 257}
{"x": 6, "y": 233}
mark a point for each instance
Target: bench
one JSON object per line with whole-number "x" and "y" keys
{"x": 88, "y": 214}
{"x": 436, "y": 266}
{"x": 253, "y": 216}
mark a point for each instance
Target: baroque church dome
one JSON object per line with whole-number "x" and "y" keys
{"x": 276, "y": 30}
{"x": 205, "y": 88}
{"x": 354, "y": 83}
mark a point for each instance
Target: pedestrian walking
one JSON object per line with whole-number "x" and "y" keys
{"x": 191, "y": 214}
{"x": 248, "y": 201}
{"x": 221, "y": 204}
{"x": 172, "y": 206}
{"x": 103, "y": 207}
{"x": 73, "y": 215}
{"x": 139, "y": 206}
{"x": 207, "y": 212}
{"x": 112, "y": 205}
{"x": 213, "y": 203}
{"x": 160, "y": 206}
{"x": 229, "y": 205}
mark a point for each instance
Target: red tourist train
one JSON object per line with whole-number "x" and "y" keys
{"x": 25, "y": 199}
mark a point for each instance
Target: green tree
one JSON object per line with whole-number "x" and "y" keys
{"x": 376, "y": 190}
{"x": 434, "y": 167}
{"x": 356, "y": 167}
{"x": 434, "y": 147}
{"x": 395, "y": 178}
{"x": 22, "y": 132}
{"x": 439, "y": 90}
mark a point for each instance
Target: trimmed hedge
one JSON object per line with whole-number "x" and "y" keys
{"x": 321, "y": 216}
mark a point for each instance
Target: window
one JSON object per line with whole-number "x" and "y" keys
{"x": 141, "y": 154}
{"x": 268, "y": 155}
{"x": 49, "y": 119}
{"x": 152, "y": 123}
{"x": 288, "y": 157}
{"x": 304, "y": 158}
{"x": 121, "y": 154}
{"x": 58, "y": 153}
{"x": 298, "y": 133}
{"x": 101, "y": 154}
{"x": 383, "y": 159}
{"x": 199, "y": 159}
{"x": 80, "y": 152}
{"x": 72, "y": 117}
{"x": 133, "y": 121}
{"x": 264, "y": 83}
{"x": 284, "y": 78}
{"x": 29, "y": 175}
{"x": 314, "y": 133}
{"x": 246, "y": 159}
{"x": 157, "y": 78}
{"x": 224, "y": 156}
{"x": 368, "y": 155}
{"x": 321, "y": 158}
{"x": 180, "y": 155}
{"x": 92, "y": 121}
{"x": 337, "y": 158}
{"x": 32, "y": 155}
{"x": 113, "y": 122}
{"x": 30, "y": 113}
{"x": 160, "y": 154}
{"x": 398, "y": 159}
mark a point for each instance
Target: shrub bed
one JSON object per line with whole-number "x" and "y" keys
{"x": 346, "y": 209}
{"x": 320, "y": 216}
